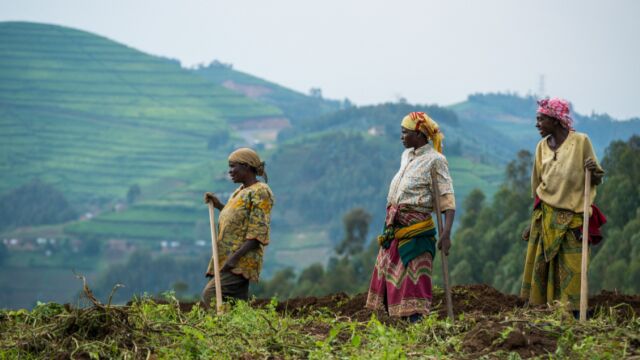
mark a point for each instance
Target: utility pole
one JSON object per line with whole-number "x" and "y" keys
{"x": 541, "y": 89}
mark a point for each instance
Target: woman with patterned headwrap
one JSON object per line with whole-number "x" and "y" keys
{"x": 243, "y": 229}
{"x": 553, "y": 262}
{"x": 401, "y": 280}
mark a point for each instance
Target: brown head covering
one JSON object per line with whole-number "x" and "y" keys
{"x": 249, "y": 157}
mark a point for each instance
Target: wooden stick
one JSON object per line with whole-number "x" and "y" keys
{"x": 216, "y": 266}
{"x": 584, "y": 285}
{"x": 443, "y": 256}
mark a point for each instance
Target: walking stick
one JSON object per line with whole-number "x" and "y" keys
{"x": 584, "y": 286}
{"x": 216, "y": 266}
{"x": 445, "y": 265}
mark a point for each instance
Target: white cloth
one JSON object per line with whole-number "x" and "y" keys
{"x": 411, "y": 186}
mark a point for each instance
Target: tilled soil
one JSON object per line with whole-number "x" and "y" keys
{"x": 477, "y": 299}
{"x": 491, "y": 332}
{"x": 611, "y": 301}
{"x": 525, "y": 338}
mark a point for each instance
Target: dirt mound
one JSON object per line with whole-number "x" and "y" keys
{"x": 466, "y": 299}
{"x": 339, "y": 304}
{"x": 480, "y": 298}
{"x": 623, "y": 305}
{"x": 527, "y": 339}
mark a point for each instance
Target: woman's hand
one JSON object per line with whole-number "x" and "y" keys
{"x": 525, "y": 233}
{"x": 210, "y": 197}
{"x": 590, "y": 165}
{"x": 444, "y": 243}
{"x": 596, "y": 173}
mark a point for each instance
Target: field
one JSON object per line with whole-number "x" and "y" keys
{"x": 487, "y": 324}
{"x": 93, "y": 117}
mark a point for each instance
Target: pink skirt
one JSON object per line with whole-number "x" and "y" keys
{"x": 403, "y": 291}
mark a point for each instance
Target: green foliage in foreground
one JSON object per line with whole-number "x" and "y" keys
{"x": 149, "y": 330}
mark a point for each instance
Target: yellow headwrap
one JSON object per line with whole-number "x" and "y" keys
{"x": 419, "y": 121}
{"x": 249, "y": 157}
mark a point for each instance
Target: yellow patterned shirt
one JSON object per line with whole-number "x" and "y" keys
{"x": 246, "y": 216}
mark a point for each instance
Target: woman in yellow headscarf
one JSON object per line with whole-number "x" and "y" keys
{"x": 244, "y": 225}
{"x": 401, "y": 279}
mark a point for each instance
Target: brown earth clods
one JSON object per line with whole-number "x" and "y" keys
{"x": 477, "y": 299}
{"x": 525, "y": 338}
{"x": 491, "y": 332}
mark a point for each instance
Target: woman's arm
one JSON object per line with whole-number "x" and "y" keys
{"x": 232, "y": 261}
{"x": 591, "y": 163}
{"x": 444, "y": 243}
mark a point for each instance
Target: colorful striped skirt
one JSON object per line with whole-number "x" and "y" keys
{"x": 402, "y": 291}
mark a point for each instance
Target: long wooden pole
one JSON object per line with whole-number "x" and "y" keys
{"x": 584, "y": 285}
{"x": 216, "y": 265}
{"x": 443, "y": 256}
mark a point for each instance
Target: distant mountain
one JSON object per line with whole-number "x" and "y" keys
{"x": 511, "y": 122}
{"x": 93, "y": 117}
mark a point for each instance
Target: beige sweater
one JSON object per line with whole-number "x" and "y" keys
{"x": 558, "y": 176}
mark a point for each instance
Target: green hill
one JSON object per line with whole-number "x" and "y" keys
{"x": 294, "y": 105}
{"x": 92, "y": 117}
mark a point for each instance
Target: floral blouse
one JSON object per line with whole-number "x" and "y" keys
{"x": 411, "y": 186}
{"x": 246, "y": 216}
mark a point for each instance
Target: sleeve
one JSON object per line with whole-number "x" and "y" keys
{"x": 260, "y": 216}
{"x": 535, "y": 171}
{"x": 447, "y": 202}
{"x": 587, "y": 151}
{"x": 445, "y": 183}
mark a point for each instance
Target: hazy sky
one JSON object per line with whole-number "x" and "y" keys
{"x": 374, "y": 51}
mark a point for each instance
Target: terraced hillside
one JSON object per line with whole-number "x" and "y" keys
{"x": 92, "y": 117}
{"x": 296, "y": 106}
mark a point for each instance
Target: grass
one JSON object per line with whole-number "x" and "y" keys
{"x": 150, "y": 330}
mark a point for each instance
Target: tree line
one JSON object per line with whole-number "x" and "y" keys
{"x": 487, "y": 245}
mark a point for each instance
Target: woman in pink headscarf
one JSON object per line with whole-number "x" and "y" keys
{"x": 553, "y": 262}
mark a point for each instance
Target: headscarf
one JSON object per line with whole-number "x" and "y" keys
{"x": 419, "y": 121}
{"x": 249, "y": 157}
{"x": 558, "y": 109}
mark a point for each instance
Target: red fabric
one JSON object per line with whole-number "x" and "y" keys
{"x": 557, "y": 108}
{"x": 596, "y": 220}
{"x": 404, "y": 290}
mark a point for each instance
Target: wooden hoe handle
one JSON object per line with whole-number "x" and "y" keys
{"x": 216, "y": 265}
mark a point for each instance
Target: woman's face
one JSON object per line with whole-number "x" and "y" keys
{"x": 410, "y": 138}
{"x": 239, "y": 172}
{"x": 546, "y": 124}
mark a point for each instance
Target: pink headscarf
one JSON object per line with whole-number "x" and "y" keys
{"x": 558, "y": 109}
